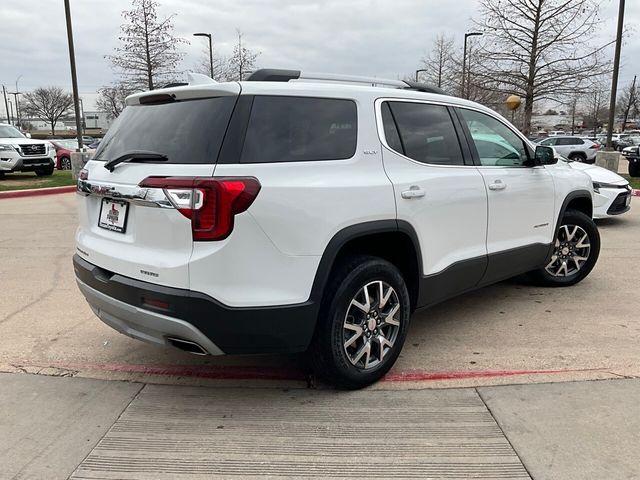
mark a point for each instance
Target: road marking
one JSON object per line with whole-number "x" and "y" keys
{"x": 262, "y": 373}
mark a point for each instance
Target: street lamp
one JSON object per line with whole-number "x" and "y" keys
{"x": 418, "y": 71}
{"x": 208, "y": 35}
{"x": 614, "y": 79}
{"x": 74, "y": 77}
{"x": 464, "y": 58}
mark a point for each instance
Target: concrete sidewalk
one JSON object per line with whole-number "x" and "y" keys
{"x": 52, "y": 427}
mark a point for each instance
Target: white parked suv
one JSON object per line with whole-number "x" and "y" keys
{"x": 21, "y": 154}
{"x": 574, "y": 148}
{"x": 306, "y": 212}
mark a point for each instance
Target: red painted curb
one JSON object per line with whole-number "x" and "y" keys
{"x": 37, "y": 192}
{"x": 260, "y": 373}
{"x": 636, "y": 193}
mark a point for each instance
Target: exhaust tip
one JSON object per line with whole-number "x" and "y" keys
{"x": 187, "y": 346}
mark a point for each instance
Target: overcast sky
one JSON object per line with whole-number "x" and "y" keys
{"x": 385, "y": 38}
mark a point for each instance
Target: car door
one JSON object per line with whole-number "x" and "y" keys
{"x": 520, "y": 196}
{"x": 437, "y": 192}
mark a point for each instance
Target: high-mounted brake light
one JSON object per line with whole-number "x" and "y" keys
{"x": 211, "y": 203}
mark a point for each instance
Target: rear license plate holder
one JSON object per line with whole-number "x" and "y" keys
{"x": 113, "y": 215}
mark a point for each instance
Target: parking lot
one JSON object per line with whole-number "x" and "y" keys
{"x": 507, "y": 333}
{"x": 260, "y": 418}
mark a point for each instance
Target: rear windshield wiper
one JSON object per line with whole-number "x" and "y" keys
{"x": 137, "y": 155}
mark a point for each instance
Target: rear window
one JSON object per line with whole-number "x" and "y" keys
{"x": 299, "y": 129}
{"x": 188, "y": 131}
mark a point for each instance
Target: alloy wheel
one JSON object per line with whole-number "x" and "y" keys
{"x": 371, "y": 325}
{"x": 571, "y": 251}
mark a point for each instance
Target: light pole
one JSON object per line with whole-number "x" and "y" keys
{"x": 418, "y": 71}
{"x": 10, "y": 113}
{"x": 84, "y": 125}
{"x": 464, "y": 58}
{"x": 18, "y": 100}
{"x": 614, "y": 80}
{"x": 74, "y": 77}
{"x": 208, "y": 35}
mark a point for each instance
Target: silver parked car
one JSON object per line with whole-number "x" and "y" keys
{"x": 574, "y": 148}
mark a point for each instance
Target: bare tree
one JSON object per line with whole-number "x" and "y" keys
{"x": 220, "y": 65}
{"x": 440, "y": 65}
{"x": 595, "y": 105}
{"x": 539, "y": 49}
{"x": 628, "y": 102}
{"x": 148, "y": 55}
{"x": 111, "y": 99}
{"x": 48, "y": 104}
{"x": 242, "y": 60}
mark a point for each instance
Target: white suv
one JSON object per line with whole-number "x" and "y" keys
{"x": 21, "y": 154}
{"x": 287, "y": 214}
{"x": 574, "y": 148}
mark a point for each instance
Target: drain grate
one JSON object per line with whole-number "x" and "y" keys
{"x": 197, "y": 433}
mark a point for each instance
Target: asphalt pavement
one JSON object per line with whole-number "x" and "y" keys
{"x": 78, "y": 400}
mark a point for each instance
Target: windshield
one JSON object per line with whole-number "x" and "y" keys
{"x": 188, "y": 131}
{"x": 7, "y": 131}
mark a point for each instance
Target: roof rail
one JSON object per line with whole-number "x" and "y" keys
{"x": 280, "y": 75}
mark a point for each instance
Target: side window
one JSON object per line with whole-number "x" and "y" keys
{"x": 497, "y": 144}
{"x": 390, "y": 130}
{"x": 427, "y": 133}
{"x": 300, "y": 129}
{"x": 548, "y": 142}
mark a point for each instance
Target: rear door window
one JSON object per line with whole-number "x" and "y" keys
{"x": 427, "y": 133}
{"x": 300, "y": 129}
{"x": 187, "y": 131}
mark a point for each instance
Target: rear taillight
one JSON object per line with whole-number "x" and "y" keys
{"x": 595, "y": 145}
{"x": 211, "y": 203}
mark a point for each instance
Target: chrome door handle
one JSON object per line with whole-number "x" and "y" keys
{"x": 413, "y": 192}
{"x": 497, "y": 185}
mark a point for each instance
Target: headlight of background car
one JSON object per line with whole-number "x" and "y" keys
{"x": 598, "y": 185}
{"x": 7, "y": 148}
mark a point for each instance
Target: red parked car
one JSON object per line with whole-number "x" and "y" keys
{"x": 63, "y": 152}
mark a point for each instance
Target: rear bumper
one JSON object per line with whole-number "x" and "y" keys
{"x": 154, "y": 313}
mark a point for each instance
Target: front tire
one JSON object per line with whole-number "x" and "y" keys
{"x": 362, "y": 324}
{"x": 65, "y": 163}
{"x": 45, "y": 172}
{"x": 575, "y": 252}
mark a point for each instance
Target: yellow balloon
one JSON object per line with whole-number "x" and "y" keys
{"x": 513, "y": 102}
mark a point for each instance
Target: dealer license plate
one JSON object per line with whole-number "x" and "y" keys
{"x": 113, "y": 215}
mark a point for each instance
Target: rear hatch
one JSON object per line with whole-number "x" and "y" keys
{"x": 135, "y": 231}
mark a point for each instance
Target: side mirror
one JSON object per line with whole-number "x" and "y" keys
{"x": 545, "y": 155}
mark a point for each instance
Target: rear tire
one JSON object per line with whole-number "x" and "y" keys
{"x": 634, "y": 169}
{"x": 578, "y": 157}
{"x": 575, "y": 252}
{"x": 362, "y": 324}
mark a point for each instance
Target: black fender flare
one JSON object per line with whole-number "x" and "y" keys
{"x": 352, "y": 232}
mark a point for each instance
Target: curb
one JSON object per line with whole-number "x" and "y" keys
{"x": 636, "y": 193}
{"x": 37, "y": 192}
